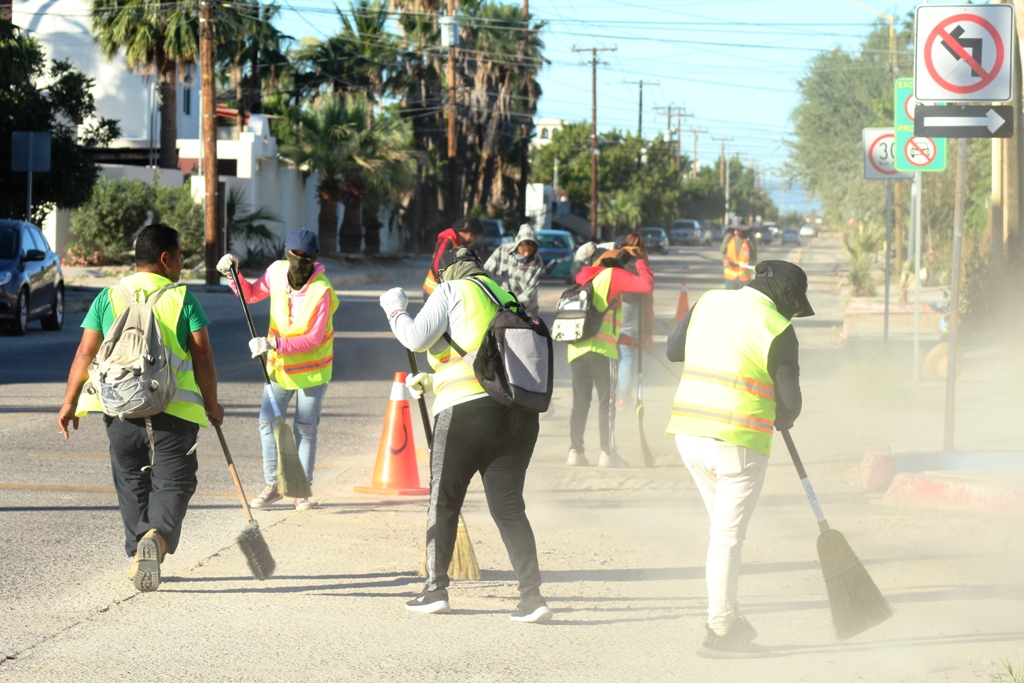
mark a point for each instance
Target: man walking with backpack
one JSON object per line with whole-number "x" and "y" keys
{"x": 472, "y": 432}
{"x": 591, "y": 358}
{"x": 152, "y": 456}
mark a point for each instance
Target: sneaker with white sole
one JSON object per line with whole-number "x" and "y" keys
{"x": 267, "y": 496}
{"x": 576, "y": 459}
{"x": 430, "y": 602}
{"x": 737, "y": 643}
{"x": 532, "y": 610}
{"x": 304, "y": 504}
{"x": 611, "y": 461}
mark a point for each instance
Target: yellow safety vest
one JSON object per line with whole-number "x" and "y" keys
{"x": 188, "y": 401}
{"x": 454, "y": 378}
{"x": 726, "y": 392}
{"x": 737, "y": 273}
{"x": 310, "y": 368}
{"x": 606, "y": 341}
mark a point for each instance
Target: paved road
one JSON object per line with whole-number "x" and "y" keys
{"x": 621, "y": 551}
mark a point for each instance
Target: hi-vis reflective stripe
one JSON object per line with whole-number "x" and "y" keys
{"x": 308, "y": 366}
{"x": 732, "y": 381}
{"x": 181, "y": 365}
{"x": 189, "y": 397}
{"x": 751, "y": 422}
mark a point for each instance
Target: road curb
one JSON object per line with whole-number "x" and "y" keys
{"x": 956, "y": 491}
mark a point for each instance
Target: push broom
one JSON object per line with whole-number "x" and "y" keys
{"x": 644, "y": 448}
{"x": 854, "y": 599}
{"x": 291, "y": 478}
{"x": 251, "y": 542}
{"x": 464, "y": 565}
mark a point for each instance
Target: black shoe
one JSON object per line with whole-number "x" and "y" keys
{"x": 532, "y": 610}
{"x": 430, "y": 602}
{"x": 736, "y": 644}
{"x": 743, "y": 628}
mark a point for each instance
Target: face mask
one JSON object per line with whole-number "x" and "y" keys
{"x": 520, "y": 259}
{"x": 300, "y": 268}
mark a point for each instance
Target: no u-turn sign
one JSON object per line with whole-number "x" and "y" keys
{"x": 963, "y": 53}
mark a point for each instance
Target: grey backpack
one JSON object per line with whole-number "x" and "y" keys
{"x": 132, "y": 370}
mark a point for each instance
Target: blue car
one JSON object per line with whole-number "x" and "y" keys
{"x": 556, "y": 249}
{"x": 31, "y": 281}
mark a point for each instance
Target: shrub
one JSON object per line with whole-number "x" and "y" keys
{"x": 114, "y": 214}
{"x": 861, "y": 248}
{"x": 81, "y": 255}
{"x": 175, "y": 207}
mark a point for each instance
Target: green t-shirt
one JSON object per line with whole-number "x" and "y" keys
{"x": 193, "y": 318}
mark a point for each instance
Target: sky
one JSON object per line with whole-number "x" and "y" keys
{"x": 733, "y": 64}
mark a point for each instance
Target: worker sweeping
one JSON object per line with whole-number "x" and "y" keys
{"x": 739, "y": 254}
{"x": 464, "y": 234}
{"x": 517, "y": 267}
{"x": 637, "y": 309}
{"x": 299, "y": 349}
{"x": 592, "y": 359}
{"x": 740, "y": 380}
{"x": 472, "y": 432}
{"x": 145, "y": 361}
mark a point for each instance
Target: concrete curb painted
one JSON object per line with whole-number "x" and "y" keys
{"x": 958, "y": 491}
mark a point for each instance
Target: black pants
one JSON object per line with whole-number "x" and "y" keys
{"x": 157, "y": 498}
{"x": 482, "y": 436}
{"x": 589, "y": 371}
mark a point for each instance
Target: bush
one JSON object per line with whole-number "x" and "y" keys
{"x": 114, "y": 214}
{"x": 175, "y": 207}
{"x": 79, "y": 255}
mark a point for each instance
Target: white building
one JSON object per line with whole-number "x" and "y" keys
{"x": 544, "y": 130}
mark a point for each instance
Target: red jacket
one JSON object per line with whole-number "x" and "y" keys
{"x": 622, "y": 279}
{"x": 446, "y": 239}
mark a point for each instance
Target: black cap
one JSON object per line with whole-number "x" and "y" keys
{"x": 452, "y": 255}
{"x": 471, "y": 225}
{"x": 791, "y": 275}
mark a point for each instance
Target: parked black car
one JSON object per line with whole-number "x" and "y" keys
{"x": 685, "y": 231}
{"x": 655, "y": 240}
{"x": 31, "y": 280}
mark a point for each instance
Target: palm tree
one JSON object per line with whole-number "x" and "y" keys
{"x": 154, "y": 37}
{"x": 249, "y": 225}
{"x": 620, "y": 211}
{"x": 352, "y": 156}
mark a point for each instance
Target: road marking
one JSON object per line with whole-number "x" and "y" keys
{"x": 94, "y": 489}
{"x": 363, "y": 335}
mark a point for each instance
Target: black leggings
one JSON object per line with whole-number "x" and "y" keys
{"x": 482, "y": 436}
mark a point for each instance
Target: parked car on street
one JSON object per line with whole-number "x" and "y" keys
{"x": 655, "y": 240}
{"x": 714, "y": 233}
{"x": 774, "y": 228}
{"x": 494, "y": 232}
{"x": 808, "y": 230}
{"x": 790, "y": 236}
{"x": 556, "y": 248}
{"x": 761, "y": 234}
{"x": 685, "y": 231}
{"x": 31, "y": 280}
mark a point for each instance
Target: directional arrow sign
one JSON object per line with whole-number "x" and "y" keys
{"x": 963, "y": 121}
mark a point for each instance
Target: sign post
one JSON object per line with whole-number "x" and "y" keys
{"x": 30, "y": 153}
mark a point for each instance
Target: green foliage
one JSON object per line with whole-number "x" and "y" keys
{"x": 175, "y": 207}
{"x": 26, "y": 104}
{"x": 111, "y": 218}
{"x": 862, "y": 247}
{"x": 1009, "y": 673}
{"x": 248, "y": 224}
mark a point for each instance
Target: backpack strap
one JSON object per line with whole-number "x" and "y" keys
{"x": 494, "y": 299}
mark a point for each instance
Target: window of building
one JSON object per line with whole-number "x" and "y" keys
{"x": 543, "y": 133}
{"x": 186, "y": 101}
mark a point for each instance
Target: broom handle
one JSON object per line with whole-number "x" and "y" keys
{"x": 234, "y": 473}
{"x": 808, "y": 489}
{"x": 424, "y": 415}
{"x": 262, "y": 360}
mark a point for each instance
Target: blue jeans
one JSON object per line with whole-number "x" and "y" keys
{"x": 627, "y": 371}
{"x": 307, "y": 419}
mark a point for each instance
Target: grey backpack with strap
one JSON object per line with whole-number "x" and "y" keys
{"x": 132, "y": 371}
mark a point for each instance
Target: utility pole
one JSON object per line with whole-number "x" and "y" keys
{"x": 668, "y": 116}
{"x": 593, "y": 131}
{"x": 679, "y": 137}
{"x": 524, "y": 161}
{"x": 640, "y": 107}
{"x": 453, "y": 192}
{"x": 723, "y": 170}
{"x": 210, "y": 175}
{"x": 693, "y": 166}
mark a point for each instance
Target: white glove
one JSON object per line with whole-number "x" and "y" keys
{"x": 419, "y": 384}
{"x": 393, "y": 301}
{"x": 225, "y": 263}
{"x": 260, "y": 345}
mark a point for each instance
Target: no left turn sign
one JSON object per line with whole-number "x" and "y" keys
{"x": 964, "y": 53}
{"x": 880, "y": 155}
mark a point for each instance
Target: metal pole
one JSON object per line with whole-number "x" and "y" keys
{"x": 453, "y": 211}
{"x": 640, "y": 114}
{"x": 954, "y": 304}
{"x": 917, "y": 276}
{"x": 210, "y": 175}
{"x": 726, "y": 221}
{"x": 593, "y": 146}
{"x": 888, "y": 251}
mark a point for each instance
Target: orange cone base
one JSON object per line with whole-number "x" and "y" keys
{"x": 396, "y": 472}
{"x": 392, "y": 492}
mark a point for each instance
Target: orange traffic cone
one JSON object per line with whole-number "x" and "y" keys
{"x": 684, "y": 304}
{"x": 396, "y": 472}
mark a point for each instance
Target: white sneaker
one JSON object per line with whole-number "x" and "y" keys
{"x": 267, "y": 496}
{"x": 305, "y": 504}
{"x": 611, "y": 461}
{"x": 576, "y": 459}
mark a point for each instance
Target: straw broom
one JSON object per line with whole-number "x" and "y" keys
{"x": 464, "y": 565}
{"x": 251, "y": 542}
{"x": 854, "y": 599}
{"x": 291, "y": 478}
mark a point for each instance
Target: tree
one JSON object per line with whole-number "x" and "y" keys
{"x": 153, "y": 36}
{"x": 57, "y": 107}
{"x": 352, "y": 156}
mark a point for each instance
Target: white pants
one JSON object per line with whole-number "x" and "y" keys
{"x": 729, "y": 479}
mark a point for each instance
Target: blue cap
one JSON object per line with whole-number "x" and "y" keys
{"x": 302, "y": 240}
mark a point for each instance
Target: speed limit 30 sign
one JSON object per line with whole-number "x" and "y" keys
{"x": 880, "y": 155}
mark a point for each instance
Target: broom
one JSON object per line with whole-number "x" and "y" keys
{"x": 251, "y": 542}
{"x": 464, "y": 565}
{"x": 644, "y": 448}
{"x": 854, "y": 599}
{"x": 291, "y": 478}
